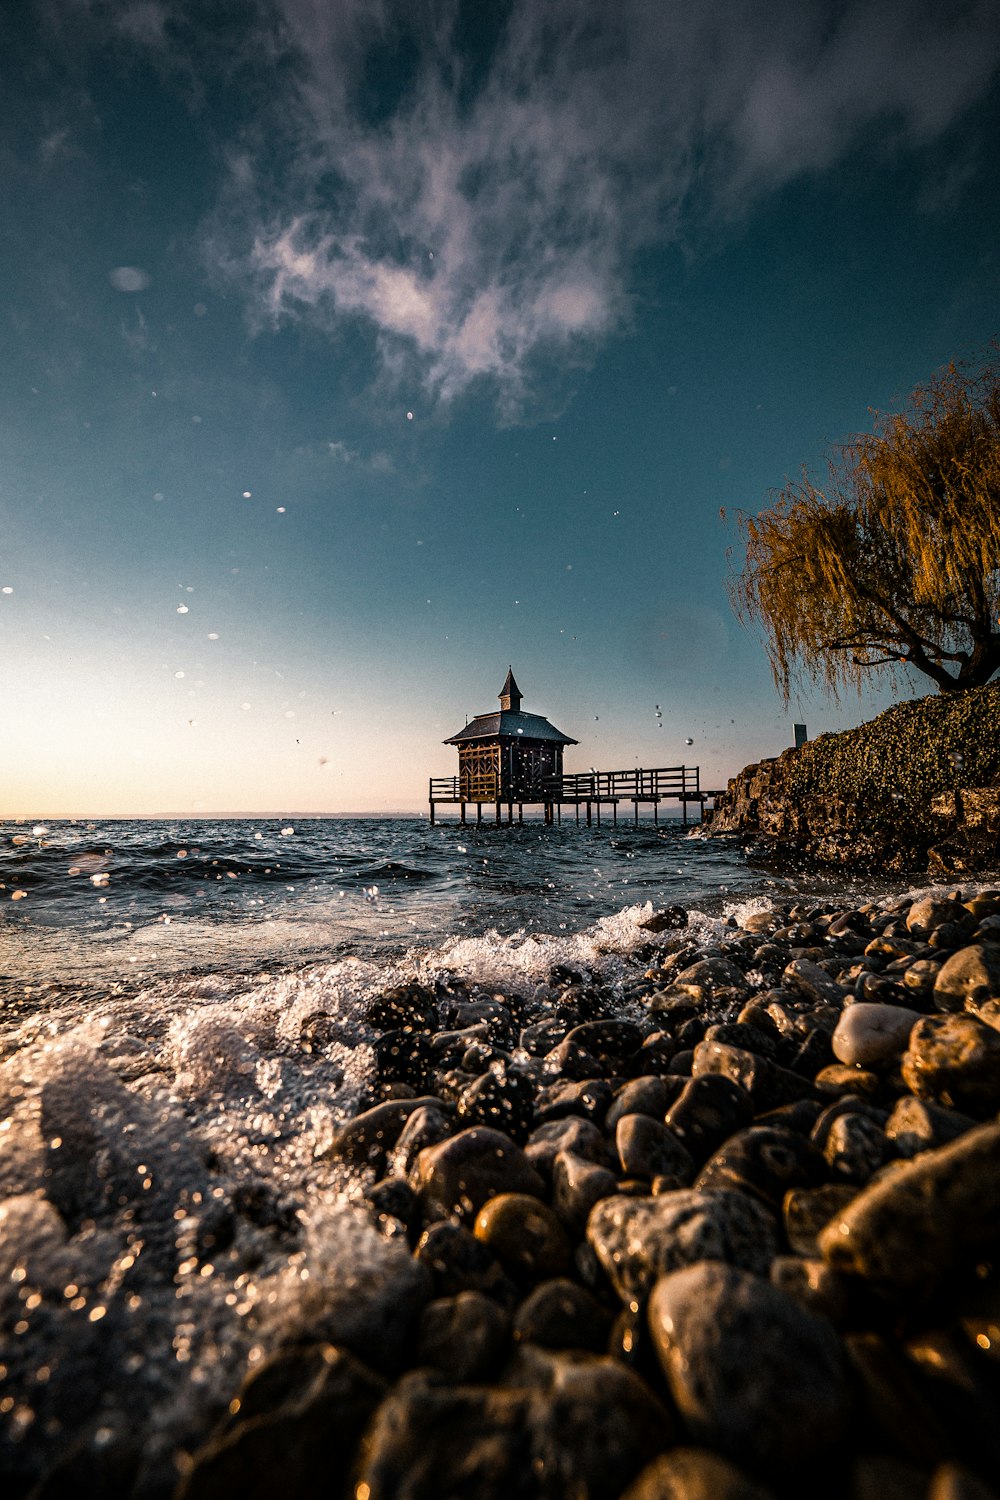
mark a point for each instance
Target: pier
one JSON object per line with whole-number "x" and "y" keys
{"x": 510, "y": 759}
{"x": 590, "y": 791}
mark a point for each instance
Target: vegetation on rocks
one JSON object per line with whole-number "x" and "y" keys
{"x": 921, "y": 777}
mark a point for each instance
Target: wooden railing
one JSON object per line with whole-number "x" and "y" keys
{"x": 672, "y": 783}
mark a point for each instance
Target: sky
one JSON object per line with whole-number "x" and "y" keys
{"x": 352, "y": 352}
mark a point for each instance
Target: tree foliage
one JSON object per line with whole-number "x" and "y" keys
{"x": 897, "y": 559}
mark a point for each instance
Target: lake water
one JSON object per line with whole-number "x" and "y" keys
{"x": 118, "y": 904}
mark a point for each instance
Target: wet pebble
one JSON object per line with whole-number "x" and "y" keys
{"x": 646, "y": 1148}
{"x": 524, "y": 1234}
{"x": 464, "y": 1336}
{"x": 638, "y": 1239}
{"x": 713, "y": 1323}
{"x": 461, "y": 1173}
{"x": 954, "y": 1060}
{"x": 929, "y": 1217}
{"x": 868, "y": 1034}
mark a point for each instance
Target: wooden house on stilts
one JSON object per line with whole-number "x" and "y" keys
{"x": 509, "y": 756}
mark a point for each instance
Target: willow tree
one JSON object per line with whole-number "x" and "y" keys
{"x": 895, "y": 561}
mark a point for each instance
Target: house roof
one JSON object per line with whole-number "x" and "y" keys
{"x": 504, "y": 723}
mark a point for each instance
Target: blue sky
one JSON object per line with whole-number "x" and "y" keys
{"x": 353, "y": 352}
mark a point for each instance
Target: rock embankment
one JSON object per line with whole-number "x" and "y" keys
{"x": 916, "y": 788}
{"x": 737, "y": 1237}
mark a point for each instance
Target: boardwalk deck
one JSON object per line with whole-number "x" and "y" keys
{"x": 591, "y": 790}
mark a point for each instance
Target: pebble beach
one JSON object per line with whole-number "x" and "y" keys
{"x": 725, "y": 1227}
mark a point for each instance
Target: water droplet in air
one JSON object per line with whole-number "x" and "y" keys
{"x": 18, "y": 895}
{"x": 285, "y": 832}
{"x": 409, "y": 416}
{"x": 247, "y": 494}
{"x": 129, "y": 279}
{"x": 245, "y": 707}
{"x": 178, "y": 674}
{"x": 8, "y": 590}
{"x": 213, "y": 635}
{"x": 689, "y": 741}
{"x": 281, "y": 510}
{"x": 182, "y": 609}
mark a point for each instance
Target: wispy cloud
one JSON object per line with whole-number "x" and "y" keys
{"x": 480, "y": 206}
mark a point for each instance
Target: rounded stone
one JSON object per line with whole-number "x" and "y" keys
{"x": 458, "y": 1262}
{"x": 955, "y": 1060}
{"x": 930, "y": 912}
{"x": 524, "y": 1235}
{"x": 764, "y": 1161}
{"x": 638, "y": 1239}
{"x": 464, "y": 1336}
{"x": 916, "y": 1125}
{"x": 648, "y": 1095}
{"x": 869, "y": 1034}
{"x": 503, "y": 1097}
{"x": 704, "y": 978}
{"x": 648, "y": 1149}
{"x": 708, "y": 1110}
{"x": 969, "y": 978}
{"x": 838, "y": 1078}
{"x": 367, "y": 1138}
{"x": 561, "y": 1314}
{"x": 577, "y": 1184}
{"x": 855, "y": 1148}
{"x": 408, "y": 1007}
{"x": 460, "y": 1174}
{"x": 580, "y": 1136}
{"x": 753, "y": 1374}
{"x": 925, "y": 1220}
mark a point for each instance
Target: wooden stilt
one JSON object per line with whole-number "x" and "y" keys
{"x": 588, "y": 814}
{"x": 520, "y": 812}
{"x": 498, "y": 814}
{"x": 461, "y": 814}
{"x": 479, "y": 812}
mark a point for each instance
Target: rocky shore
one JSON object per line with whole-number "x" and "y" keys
{"x": 915, "y": 789}
{"x": 728, "y": 1235}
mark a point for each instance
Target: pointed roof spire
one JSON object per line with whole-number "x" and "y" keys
{"x": 510, "y": 694}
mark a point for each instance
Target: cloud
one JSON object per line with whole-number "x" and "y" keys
{"x": 477, "y": 195}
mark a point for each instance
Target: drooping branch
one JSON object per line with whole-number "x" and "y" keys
{"x": 897, "y": 560}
